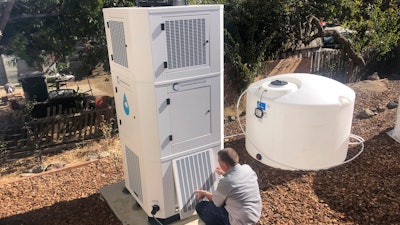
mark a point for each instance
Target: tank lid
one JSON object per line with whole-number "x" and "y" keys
{"x": 314, "y": 90}
{"x": 279, "y": 82}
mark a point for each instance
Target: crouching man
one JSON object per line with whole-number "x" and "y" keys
{"x": 237, "y": 199}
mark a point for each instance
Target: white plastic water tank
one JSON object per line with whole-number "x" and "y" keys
{"x": 299, "y": 121}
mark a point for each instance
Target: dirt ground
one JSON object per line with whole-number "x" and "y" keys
{"x": 365, "y": 191}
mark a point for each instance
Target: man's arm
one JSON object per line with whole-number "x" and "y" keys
{"x": 204, "y": 194}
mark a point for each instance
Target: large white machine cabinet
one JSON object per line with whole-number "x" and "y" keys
{"x": 167, "y": 72}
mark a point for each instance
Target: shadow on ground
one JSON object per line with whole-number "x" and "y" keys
{"x": 78, "y": 211}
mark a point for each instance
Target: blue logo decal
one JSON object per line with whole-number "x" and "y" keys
{"x": 261, "y": 105}
{"x": 126, "y": 105}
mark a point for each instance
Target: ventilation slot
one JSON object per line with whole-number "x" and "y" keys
{"x": 134, "y": 173}
{"x": 186, "y": 43}
{"x": 191, "y": 173}
{"x": 118, "y": 43}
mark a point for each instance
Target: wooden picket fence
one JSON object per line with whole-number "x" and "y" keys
{"x": 26, "y": 138}
{"x": 332, "y": 63}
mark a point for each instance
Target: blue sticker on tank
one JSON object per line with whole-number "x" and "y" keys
{"x": 261, "y": 105}
{"x": 126, "y": 105}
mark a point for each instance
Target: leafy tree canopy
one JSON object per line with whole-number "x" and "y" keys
{"x": 254, "y": 30}
{"x": 258, "y": 29}
{"x": 39, "y": 28}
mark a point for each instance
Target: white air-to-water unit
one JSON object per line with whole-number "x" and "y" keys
{"x": 167, "y": 73}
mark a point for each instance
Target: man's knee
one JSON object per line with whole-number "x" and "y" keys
{"x": 200, "y": 206}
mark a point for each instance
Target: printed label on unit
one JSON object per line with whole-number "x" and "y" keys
{"x": 261, "y": 105}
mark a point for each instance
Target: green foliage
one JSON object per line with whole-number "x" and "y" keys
{"x": 106, "y": 127}
{"x": 62, "y": 67}
{"x": 376, "y": 26}
{"x": 39, "y": 28}
{"x": 252, "y": 34}
{"x": 254, "y": 30}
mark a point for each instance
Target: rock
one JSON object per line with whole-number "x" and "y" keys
{"x": 56, "y": 165}
{"x": 38, "y": 169}
{"x": 381, "y": 108}
{"x": 104, "y": 154}
{"x": 374, "y": 76}
{"x": 366, "y": 113}
{"x": 229, "y": 119}
{"x": 392, "y": 104}
{"x": 92, "y": 157}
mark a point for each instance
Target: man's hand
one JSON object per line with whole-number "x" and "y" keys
{"x": 203, "y": 194}
{"x": 200, "y": 194}
{"x": 219, "y": 171}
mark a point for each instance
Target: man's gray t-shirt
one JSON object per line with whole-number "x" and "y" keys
{"x": 239, "y": 191}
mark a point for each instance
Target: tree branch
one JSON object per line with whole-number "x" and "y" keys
{"x": 29, "y": 16}
{"x": 347, "y": 46}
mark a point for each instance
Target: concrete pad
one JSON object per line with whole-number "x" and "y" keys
{"x": 125, "y": 208}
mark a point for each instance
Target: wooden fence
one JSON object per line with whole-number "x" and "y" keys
{"x": 332, "y": 63}
{"x": 25, "y": 138}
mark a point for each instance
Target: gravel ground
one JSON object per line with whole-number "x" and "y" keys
{"x": 365, "y": 191}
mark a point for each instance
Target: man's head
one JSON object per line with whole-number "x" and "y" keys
{"x": 227, "y": 158}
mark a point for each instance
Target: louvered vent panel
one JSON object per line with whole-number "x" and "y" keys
{"x": 186, "y": 42}
{"x": 118, "y": 43}
{"x": 134, "y": 173}
{"x": 193, "y": 172}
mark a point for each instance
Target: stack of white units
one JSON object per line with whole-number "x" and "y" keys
{"x": 167, "y": 72}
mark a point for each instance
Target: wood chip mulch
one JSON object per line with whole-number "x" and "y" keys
{"x": 67, "y": 196}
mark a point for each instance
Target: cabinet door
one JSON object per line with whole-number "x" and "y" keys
{"x": 190, "y": 118}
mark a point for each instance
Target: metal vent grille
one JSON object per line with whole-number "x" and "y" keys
{"x": 192, "y": 172}
{"x": 135, "y": 182}
{"x": 186, "y": 42}
{"x": 118, "y": 43}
